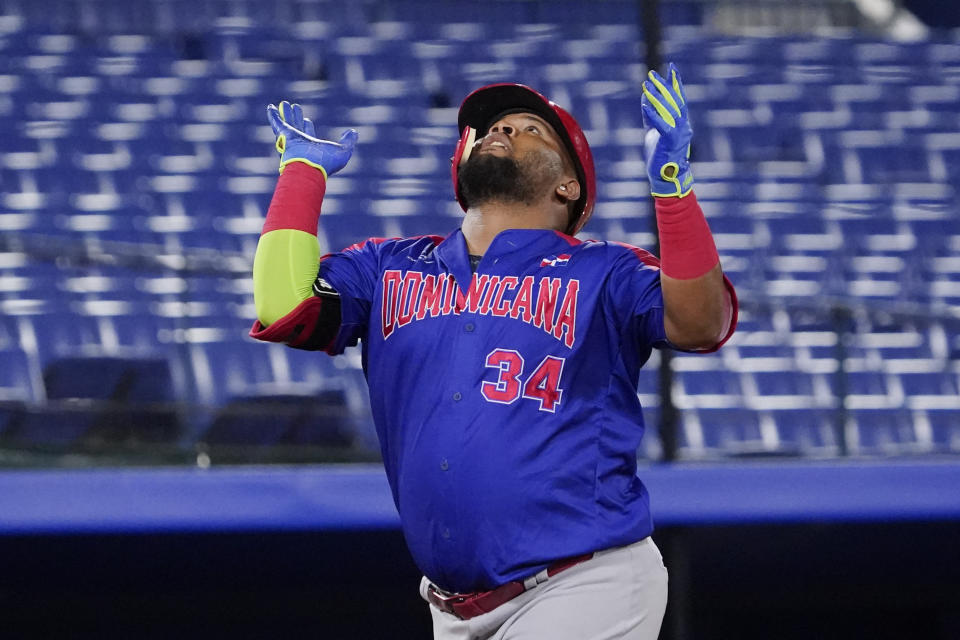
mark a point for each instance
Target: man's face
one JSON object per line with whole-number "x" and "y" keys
{"x": 520, "y": 159}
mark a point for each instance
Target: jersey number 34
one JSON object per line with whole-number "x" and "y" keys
{"x": 543, "y": 385}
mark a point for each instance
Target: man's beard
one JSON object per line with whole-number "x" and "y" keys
{"x": 489, "y": 178}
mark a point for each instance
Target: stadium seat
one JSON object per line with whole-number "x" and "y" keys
{"x": 92, "y": 403}
{"x": 724, "y": 432}
{"x": 651, "y": 447}
{"x": 17, "y": 386}
{"x": 706, "y": 389}
{"x": 931, "y": 390}
{"x": 881, "y": 432}
{"x": 320, "y": 419}
{"x": 102, "y": 378}
{"x": 787, "y": 390}
{"x": 873, "y": 390}
{"x": 944, "y": 427}
{"x": 806, "y": 432}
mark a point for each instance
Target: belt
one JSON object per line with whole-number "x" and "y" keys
{"x": 475, "y": 603}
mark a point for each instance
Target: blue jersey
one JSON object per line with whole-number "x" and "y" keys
{"x": 504, "y": 399}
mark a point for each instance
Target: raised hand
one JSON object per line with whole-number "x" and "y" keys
{"x": 667, "y": 140}
{"x": 297, "y": 140}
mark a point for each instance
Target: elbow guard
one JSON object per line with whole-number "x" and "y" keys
{"x": 312, "y": 325}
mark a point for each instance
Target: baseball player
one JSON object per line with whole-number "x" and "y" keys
{"x": 503, "y": 359}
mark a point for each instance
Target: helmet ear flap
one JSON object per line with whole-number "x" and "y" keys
{"x": 460, "y": 155}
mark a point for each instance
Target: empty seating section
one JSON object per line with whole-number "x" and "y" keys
{"x": 792, "y": 383}
{"x": 827, "y": 167}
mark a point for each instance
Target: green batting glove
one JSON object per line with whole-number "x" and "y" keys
{"x": 297, "y": 140}
{"x": 667, "y": 141}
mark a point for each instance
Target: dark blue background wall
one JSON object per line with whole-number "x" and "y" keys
{"x": 936, "y": 13}
{"x": 828, "y": 581}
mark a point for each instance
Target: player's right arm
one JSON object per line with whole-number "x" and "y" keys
{"x": 292, "y": 304}
{"x": 699, "y": 302}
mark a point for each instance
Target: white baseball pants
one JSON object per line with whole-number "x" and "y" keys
{"x": 619, "y": 594}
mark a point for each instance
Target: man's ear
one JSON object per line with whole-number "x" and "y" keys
{"x": 568, "y": 191}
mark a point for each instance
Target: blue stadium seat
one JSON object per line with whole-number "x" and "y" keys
{"x": 60, "y": 427}
{"x": 226, "y": 365}
{"x": 807, "y": 432}
{"x": 786, "y": 390}
{"x": 319, "y": 419}
{"x": 934, "y": 237}
{"x": 142, "y": 334}
{"x": 933, "y": 390}
{"x": 882, "y": 432}
{"x": 651, "y": 447}
{"x": 722, "y": 432}
{"x": 904, "y": 348}
{"x": 60, "y": 334}
{"x": 873, "y": 390}
{"x": 648, "y": 385}
{"x": 899, "y": 161}
{"x": 93, "y": 402}
{"x": 809, "y": 235}
{"x": 944, "y": 429}
{"x": 745, "y": 357}
{"x": 707, "y": 389}
{"x": 342, "y": 231}
{"x": 16, "y": 378}
{"x": 106, "y": 378}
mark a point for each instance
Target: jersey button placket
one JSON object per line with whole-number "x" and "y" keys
{"x": 468, "y": 327}
{"x": 463, "y": 358}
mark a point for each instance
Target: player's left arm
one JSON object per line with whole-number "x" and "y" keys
{"x": 699, "y": 303}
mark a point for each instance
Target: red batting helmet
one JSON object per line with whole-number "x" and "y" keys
{"x": 483, "y": 106}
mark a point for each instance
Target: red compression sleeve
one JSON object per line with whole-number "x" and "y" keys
{"x": 297, "y": 199}
{"x": 687, "y": 249}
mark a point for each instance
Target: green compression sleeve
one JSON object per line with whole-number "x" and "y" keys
{"x": 284, "y": 270}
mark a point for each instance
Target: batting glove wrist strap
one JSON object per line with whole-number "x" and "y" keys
{"x": 297, "y": 141}
{"x": 669, "y": 132}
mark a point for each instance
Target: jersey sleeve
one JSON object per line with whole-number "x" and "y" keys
{"x": 635, "y": 300}
{"x": 353, "y": 274}
{"x": 632, "y": 295}
{"x": 335, "y": 316}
